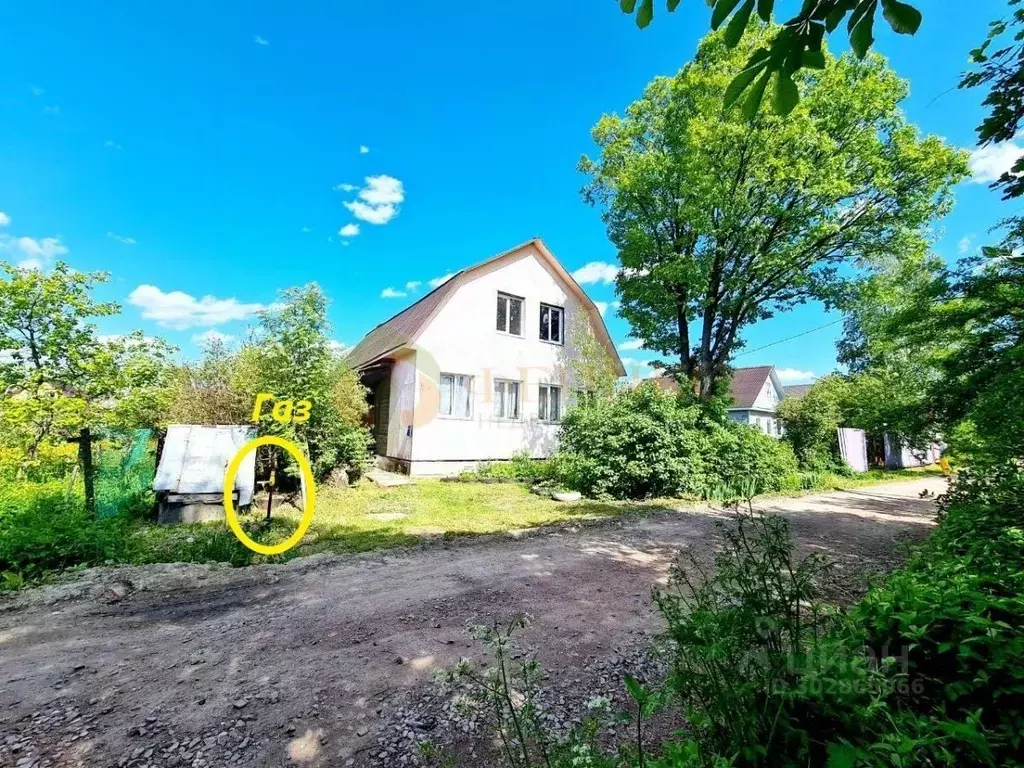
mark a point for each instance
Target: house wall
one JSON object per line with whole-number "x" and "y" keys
{"x": 462, "y": 339}
{"x": 760, "y": 419}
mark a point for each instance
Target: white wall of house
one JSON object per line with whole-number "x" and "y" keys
{"x": 759, "y": 419}
{"x": 462, "y": 339}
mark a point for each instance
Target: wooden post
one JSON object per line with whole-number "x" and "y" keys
{"x": 85, "y": 456}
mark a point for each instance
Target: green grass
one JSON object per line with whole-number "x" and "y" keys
{"x": 45, "y": 528}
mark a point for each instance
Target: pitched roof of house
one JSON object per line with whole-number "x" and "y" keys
{"x": 747, "y": 384}
{"x": 404, "y": 328}
{"x": 796, "y": 390}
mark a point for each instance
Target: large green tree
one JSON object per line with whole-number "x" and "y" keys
{"x": 720, "y": 223}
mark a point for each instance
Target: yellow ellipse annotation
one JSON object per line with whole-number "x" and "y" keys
{"x": 307, "y": 481}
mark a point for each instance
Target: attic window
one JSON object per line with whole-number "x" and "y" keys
{"x": 510, "y": 314}
{"x": 552, "y": 324}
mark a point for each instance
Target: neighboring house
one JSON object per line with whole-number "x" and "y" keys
{"x": 478, "y": 369}
{"x": 755, "y": 392}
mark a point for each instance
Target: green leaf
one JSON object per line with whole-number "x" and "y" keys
{"x": 738, "y": 24}
{"x": 627, "y": 6}
{"x": 764, "y": 9}
{"x": 814, "y": 59}
{"x": 835, "y": 16}
{"x": 904, "y": 19}
{"x": 739, "y": 83}
{"x": 636, "y": 690}
{"x": 756, "y": 96}
{"x": 722, "y": 10}
{"x": 861, "y": 25}
{"x": 645, "y": 14}
{"x": 786, "y": 95}
{"x": 672, "y": 5}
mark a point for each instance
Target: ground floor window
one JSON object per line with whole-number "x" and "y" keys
{"x": 455, "y": 395}
{"x": 549, "y": 401}
{"x": 506, "y": 399}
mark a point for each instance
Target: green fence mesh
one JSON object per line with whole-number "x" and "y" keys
{"x": 125, "y": 467}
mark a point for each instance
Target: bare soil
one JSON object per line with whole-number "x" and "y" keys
{"x": 304, "y": 663}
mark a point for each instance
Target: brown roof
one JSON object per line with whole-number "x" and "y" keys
{"x": 747, "y": 384}
{"x": 403, "y": 329}
{"x": 796, "y": 390}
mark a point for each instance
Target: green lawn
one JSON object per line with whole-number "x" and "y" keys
{"x": 367, "y": 517}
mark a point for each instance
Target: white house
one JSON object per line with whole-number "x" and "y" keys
{"x": 478, "y": 369}
{"x": 755, "y": 393}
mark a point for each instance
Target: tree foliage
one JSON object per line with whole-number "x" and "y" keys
{"x": 797, "y": 44}
{"x": 720, "y": 223}
{"x": 999, "y": 66}
{"x": 60, "y": 376}
{"x": 290, "y": 357}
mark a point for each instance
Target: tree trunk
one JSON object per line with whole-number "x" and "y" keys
{"x": 85, "y": 457}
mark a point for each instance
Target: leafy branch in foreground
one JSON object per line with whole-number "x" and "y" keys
{"x": 797, "y": 45}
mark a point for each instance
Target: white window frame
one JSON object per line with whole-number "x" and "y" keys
{"x": 451, "y": 398}
{"x": 544, "y": 401}
{"x": 509, "y": 298}
{"x": 561, "y": 324}
{"x": 500, "y": 399}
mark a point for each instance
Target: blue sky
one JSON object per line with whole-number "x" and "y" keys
{"x": 196, "y": 150}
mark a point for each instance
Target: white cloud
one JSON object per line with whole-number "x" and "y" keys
{"x": 111, "y": 144}
{"x": 602, "y": 307}
{"x": 632, "y": 344}
{"x": 964, "y": 246}
{"x": 391, "y": 293}
{"x": 260, "y": 40}
{"x": 180, "y": 310}
{"x": 349, "y": 230}
{"x": 121, "y": 238}
{"x": 434, "y": 282}
{"x": 51, "y": 110}
{"x": 306, "y": 229}
{"x": 794, "y": 375}
{"x": 990, "y": 162}
{"x": 39, "y": 253}
{"x": 378, "y": 200}
{"x": 339, "y": 347}
{"x": 363, "y": 149}
{"x": 596, "y": 272}
{"x": 412, "y": 285}
{"x": 211, "y": 336}
{"x": 344, "y": 187}
{"x": 4, "y": 219}
{"x": 37, "y": 91}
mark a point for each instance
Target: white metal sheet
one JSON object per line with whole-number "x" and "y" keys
{"x": 195, "y": 459}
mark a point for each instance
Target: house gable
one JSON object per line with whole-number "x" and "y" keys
{"x": 406, "y": 328}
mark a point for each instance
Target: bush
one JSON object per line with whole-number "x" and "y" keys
{"x": 646, "y": 443}
{"x": 44, "y": 527}
{"x": 740, "y": 456}
{"x": 642, "y": 443}
{"x": 812, "y": 422}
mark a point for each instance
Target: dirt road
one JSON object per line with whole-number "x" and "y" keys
{"x": 306, "y": 663}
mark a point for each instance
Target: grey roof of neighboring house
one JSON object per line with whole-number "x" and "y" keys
{"x": 747, "y": 384}
{"x": 402, "y": 329}
{"x": 195, "y": 459}
{"x": 796, "y": 390}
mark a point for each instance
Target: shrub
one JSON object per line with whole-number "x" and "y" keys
{"x": 44, "y": 527}
{"x": 741, "y": 456}
{"x": 812, "y": 422}
{"x": 642, "y": 443}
